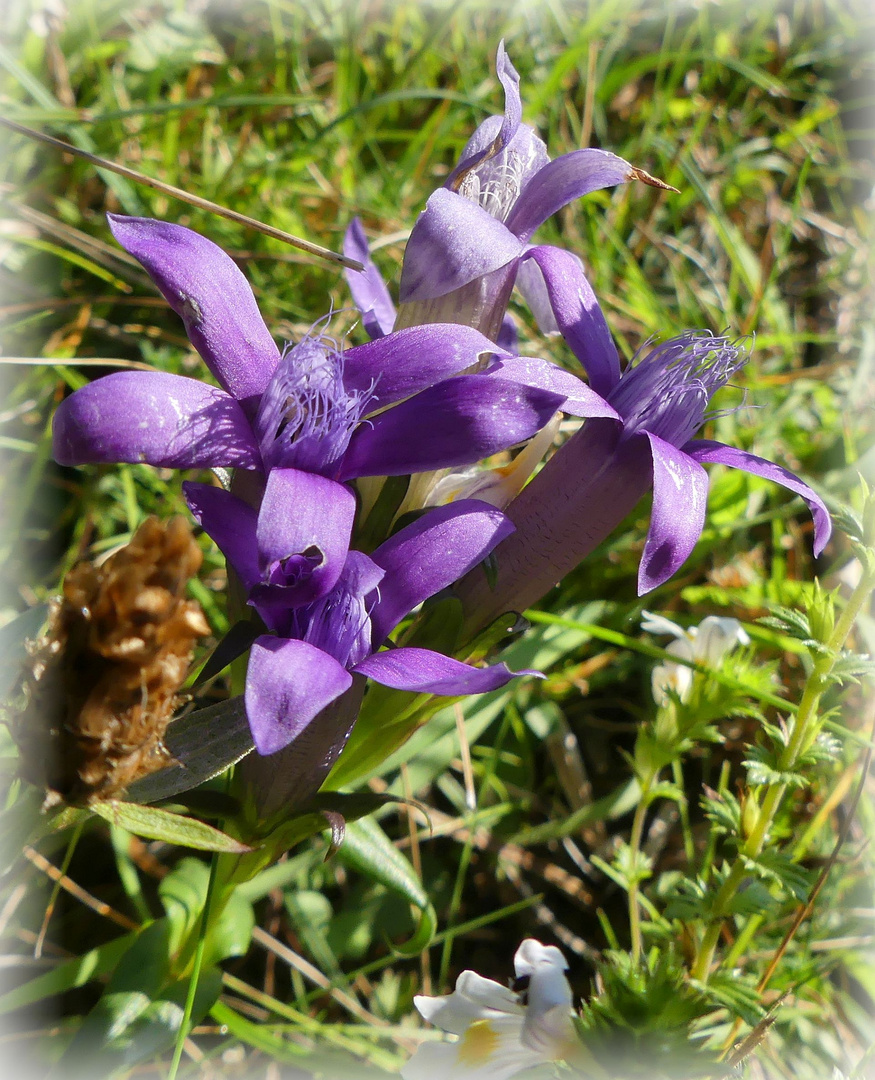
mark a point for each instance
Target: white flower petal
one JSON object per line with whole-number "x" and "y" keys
{"x": 474, "y": 998}
{"x": 716, "y": 636}
{"x": 547, "y": 1026}
{"x": 659, "y": 624}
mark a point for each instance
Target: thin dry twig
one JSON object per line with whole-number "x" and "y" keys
{"x": 70, "y": 886}
{"x": 185, "y": 196}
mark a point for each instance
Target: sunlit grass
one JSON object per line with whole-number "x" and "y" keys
{"x": 303, "y": 116}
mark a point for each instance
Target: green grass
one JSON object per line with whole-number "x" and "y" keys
{"x": 302, "y": 116}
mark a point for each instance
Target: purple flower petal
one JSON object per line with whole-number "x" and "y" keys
{"x": 532, "y": 287}
{"x": 459, "y": 421}
{"x": 560, "y": 182}
{"x": 507, "y": 336}
{"x": 289, "y": 779}
{"x": 494, "y": 134}
{"x": 431, "y": 553}
{"x": 580, "y": 400}
{"x": 707, "y": 451}
{"x": 339, "y": 623}
{"x": 411, "y": 360}
{"x": 453, "y": 242}
{"x": 304, "y": 527}
{"x": 206, "y": 289}
{"x": 288, "y": 683}
{"x": 680, "y": 497}
{"x": 369, "y": 292}
{"x": 153, "y": 417}
{"x": 578, "y": 315}
{"x": 565, "y": 511}
{"x": 502, "y": 154}
{"x": 427, "y": 672}
{"x": 231, "y": 523}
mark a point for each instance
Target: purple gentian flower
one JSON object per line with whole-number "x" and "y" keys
{"x": 326, "y": 631}
{"x": 464, "y": 251}
{"x": 298, "y": 409}
{"x": 640, "y": 438}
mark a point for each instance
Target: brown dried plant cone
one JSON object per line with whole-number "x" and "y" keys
{"x": 105, "y": 679}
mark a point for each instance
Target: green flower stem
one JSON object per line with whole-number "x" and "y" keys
{"x": 635, "y": 847}
{"x": 803, "y": 728}
{"x": 197, "y": 963}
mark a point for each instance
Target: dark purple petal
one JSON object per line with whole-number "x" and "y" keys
{"x": 578, "y": 315}
{"x": 431, "y": 553}
{"x": 287, "y": 780}
{"x": 153, "y": 417}
{"x": 427, "y": 672}
{"x": 580, "y": 400}
{"x": 707, "y": 451}
{"x": 680, "y": 498}
{"x": 560, "y": 182}
{"x": 304, "y": 527}
{"x": 287, "y": 684}
{"x": 507, "y": 336}
{"x": 411, "y": 360}
{"x": 457, "y": 422}
{"x": 206, "y": 289}
{"x": 566, "y": 510}
{"x": 453, "y": 242}
{"x": 339, "y": 623}
{"x": 231, "y": 522}
{"x": 369, "y": 292}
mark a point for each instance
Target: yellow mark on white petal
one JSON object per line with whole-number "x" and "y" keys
{"x": 478, "y": 1044}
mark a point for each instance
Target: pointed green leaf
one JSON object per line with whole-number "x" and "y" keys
{"x": 156, "y": 824}
{"x": 204, "y": 742}
{"x": 184, "y": 892}
{"x": 367, "y": 849}
{"x": 94, "y": 964}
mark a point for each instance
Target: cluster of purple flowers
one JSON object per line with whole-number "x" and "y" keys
{"x": 439, "y": 387}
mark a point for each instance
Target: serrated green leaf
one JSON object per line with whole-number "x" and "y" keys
{"x": 773, "y": 865}
{"x": 155, "y": 824}
{"x": 738, "y": 995}
{"x": 761, "y": 774}
{"x": 787, "y": 621}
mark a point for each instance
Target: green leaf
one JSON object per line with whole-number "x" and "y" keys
{"x": 184, "y": 892}
{"x": 204, "y": 742}
{"x": 738, "y": 994}
{"x": 25, "y": 823}
{"x": 94, "y": 964}
{"x": 13, "y": 645}
{"x": 367, "y": 849}
{"x": 788, "y": 621}
{"x": 260, "y": 1036}
{"x": 141, "y": 1010}
{"x": 156, "y": 824}
{"x": 378, "y": 522}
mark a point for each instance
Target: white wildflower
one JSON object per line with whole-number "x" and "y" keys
{"x": 706, "y": 643}
{"x": 499, "y": 1032}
